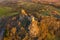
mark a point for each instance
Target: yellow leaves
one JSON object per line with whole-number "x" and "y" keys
{"x": 13, "y": 30}
{"x": 23, "y": 12}
{"x": 26, "y": 37}
{"x": 33, "y": 19}
{"x": 34, "y": 32}
{"x": 34, "y": 29}
{"x": 11, "y": 34}
{"x": 50, "y": 37}
{"x": 5, "y": 38}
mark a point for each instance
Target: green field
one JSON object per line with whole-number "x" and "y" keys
{"x": 6, "y": 11}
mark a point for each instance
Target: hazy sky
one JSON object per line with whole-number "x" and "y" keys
{"x": 35, "y": 0}
{"x": 8, "y": 0}
{"x": 1, "y": 0}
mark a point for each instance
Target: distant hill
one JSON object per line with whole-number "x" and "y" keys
{"x": 52, "y": 2}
